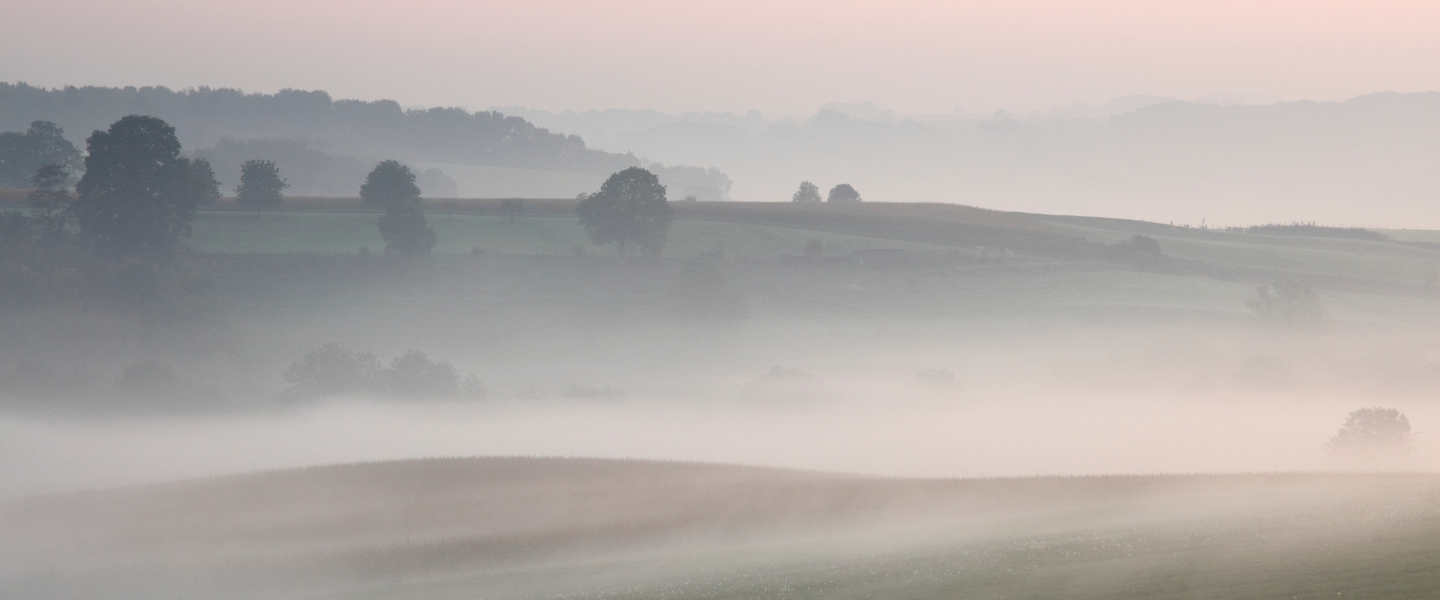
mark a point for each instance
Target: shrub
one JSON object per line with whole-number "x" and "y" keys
{"x": 335, "y": 370}
{"x": 1289, "y": 304}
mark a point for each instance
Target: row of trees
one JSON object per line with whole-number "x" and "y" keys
{"x": 138, "y": 195}
{"x": 810, "y": 192}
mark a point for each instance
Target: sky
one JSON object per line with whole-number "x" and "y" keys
{"x": 783, "y": 57}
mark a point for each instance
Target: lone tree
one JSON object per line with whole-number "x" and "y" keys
{"x": 808, "y": 192}
{"x": 403, "y": 226}
{"x": 1291, "y": 305}
{"x": 1372, "y": 433}
{"x": 50, "y": 201}
{"x": 137, "y": 197}
{"x": 843, "y": 193}
{"x": 260, "y": 185}
{"x": 629, "y": 210}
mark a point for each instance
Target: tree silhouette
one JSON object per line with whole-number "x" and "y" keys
{"x": 808, "y": 192}
{"x": 629, "y": 210}
{"x": 1370, "y": 433}
{"x": 21, "y": 154}
{"x": 203, "y": 185}
{"x": 260, "y": 185}
{"x": 390, "y": 183}
{"x": 136, "y": 198}
{"x": 843, "y": 193}
{"x": 50, "y": 201}
{"x": 403, "y": 226}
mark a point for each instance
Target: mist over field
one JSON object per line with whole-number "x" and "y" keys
{"x": 642, "y": 300}
{"x": 1364, "y": 161}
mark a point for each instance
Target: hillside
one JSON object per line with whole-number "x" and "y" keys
{"x": 1365, "y": 161}
{"x": 771, "y": 230}
{"x": 581, "y": 528}
{"x": 326, "y": 145}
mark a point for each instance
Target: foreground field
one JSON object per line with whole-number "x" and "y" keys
{"x": 570, "y": 528}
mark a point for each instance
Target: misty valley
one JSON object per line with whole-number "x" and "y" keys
{"x": 648, "y": 390}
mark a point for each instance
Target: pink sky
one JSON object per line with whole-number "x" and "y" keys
{"x": 782, "y": 57}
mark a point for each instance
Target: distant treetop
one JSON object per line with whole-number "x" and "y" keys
{"x": 808, "y": 192}
{"x": 843, "y": 193}
{"x": 260, "y": 184}
{"x": 390, "y": 183}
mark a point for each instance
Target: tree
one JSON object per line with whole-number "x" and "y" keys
{"x": 50, "y": 201}
{"x": 21, "y": 154}
{"x": 331, "y": 370}
{"x": 260, "y": 185}
{"x": 390, "y": 183}
{"x": 403, "y": 226}
{"x": 629, "y": 210}
{"x": 1292, "y": 305}
{"x": 414, "y": 374}
{"x": 136, "y": 198}
{"x": 1371, "y": 433}
{"x": 808, "y": 192}
{"x": 203, "y": 184}
{"x": 843, "y": 193}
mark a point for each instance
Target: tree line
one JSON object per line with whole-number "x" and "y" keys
{"x": 335, "y": 132}
{"x": 138, "y": 196}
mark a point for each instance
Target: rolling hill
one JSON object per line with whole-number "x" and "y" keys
{"x": 589, "y": 528}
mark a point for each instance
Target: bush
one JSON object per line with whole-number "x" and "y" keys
{"x": 335, "y": 370}
{"x": 1291, "y": 305}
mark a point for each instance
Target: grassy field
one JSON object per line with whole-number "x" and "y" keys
{"x": 568, "y": 528}
{"x": 347, "y": 232}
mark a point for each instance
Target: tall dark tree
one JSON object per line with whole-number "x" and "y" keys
{"x": 50, "y": 201}
{"x": 203, "y": 184}
{"x": 136, "y": 198}
{"x": 21, "y": 154}
{"x": 843, "y": 193}
{"x": 629, "y": 210}
{"x": 260, "y": 185}
{"x": 808, "y": 192}
{"x": 403, "y": 226}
